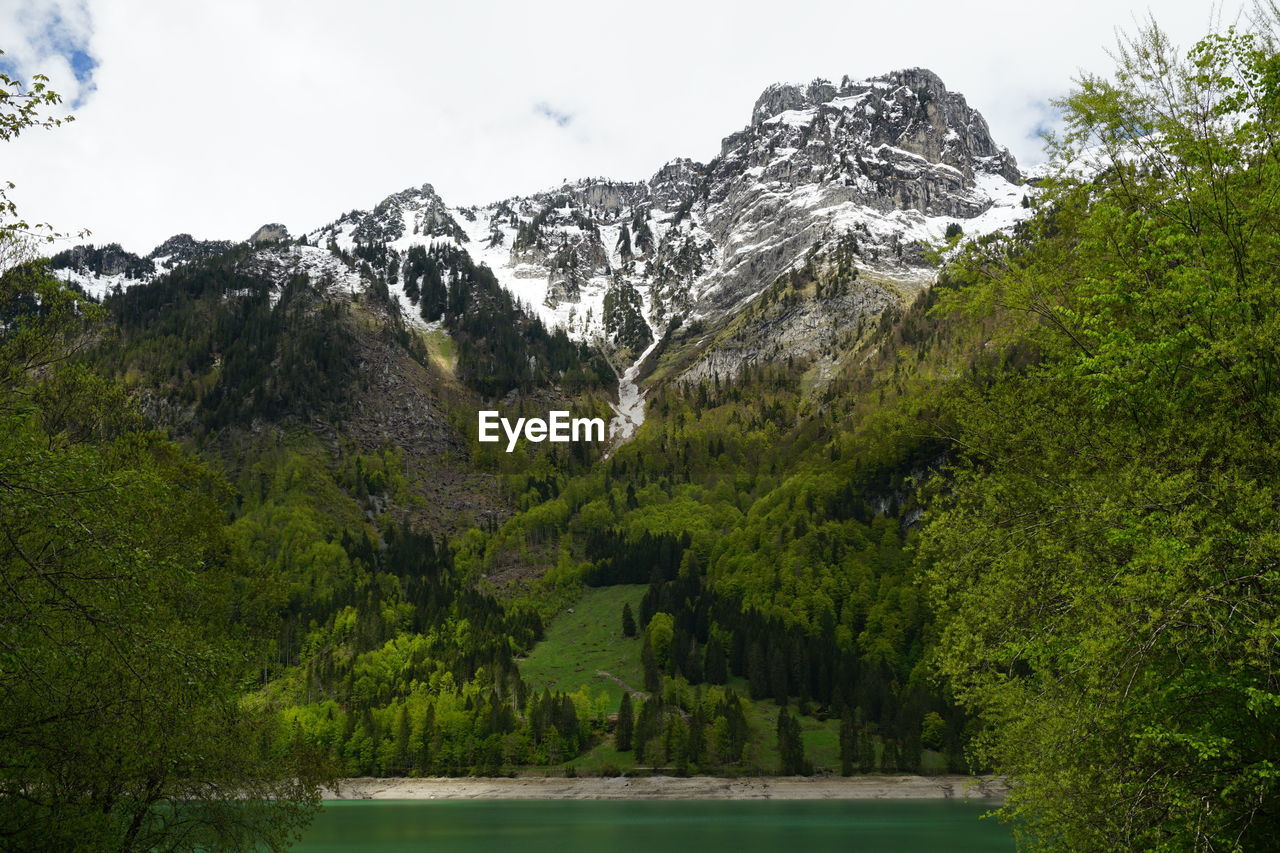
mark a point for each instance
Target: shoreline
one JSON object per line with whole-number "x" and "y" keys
{"x": 990, "y": 789}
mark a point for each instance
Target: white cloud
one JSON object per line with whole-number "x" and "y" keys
{"x": 216, "y": 117}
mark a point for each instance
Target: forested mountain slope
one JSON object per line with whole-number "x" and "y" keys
{"x": 937, "y": 471}
{"x": 768, "y": 501}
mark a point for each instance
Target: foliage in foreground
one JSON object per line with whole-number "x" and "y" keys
{"x": 121, "y": 684}
{"x": 1104, "y": 561}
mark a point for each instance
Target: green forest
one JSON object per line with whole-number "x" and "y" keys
{"x": 1031, "y": 526}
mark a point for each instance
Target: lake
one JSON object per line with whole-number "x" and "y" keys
{"x": 568, "y": 826}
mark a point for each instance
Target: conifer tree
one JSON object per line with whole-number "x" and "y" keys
{"x": 626, "y": 724}
{"x": 849, "y": 758}
{"x": 790, "y": 745}
{"x": 866, "y": 751}
{"x": 757, "y": 672}
{"x": 649, "y": 661}
{"x": 716, "y": 667}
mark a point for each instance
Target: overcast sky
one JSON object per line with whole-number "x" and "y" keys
{"x": 215, "y": 117}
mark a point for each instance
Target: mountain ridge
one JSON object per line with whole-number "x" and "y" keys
{"x": 868, "y": 174}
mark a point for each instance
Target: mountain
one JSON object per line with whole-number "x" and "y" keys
{"x": 862, "y": 177}
{"x": 868, "y": 173}
{"x": 887, "y": 491}
{"x": 753, "y": 317}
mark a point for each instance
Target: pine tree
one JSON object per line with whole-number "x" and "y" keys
{"x": 757, "y": 672}
{"x": 401, "y": 743}
{"x": 628, "y": 621}
{"x": 866, "y": 751}
{"x": 425, "y": 753}
{"x": 790, "y": 745}
{"x": 648, "y": 660}
{"x": 778, "y": 674}
{"x": 909, "y": 756}
{"x": 677, "y": 743}
{"x": 716, "y": 667}
{"x": 849, "y": 758}
{"x": 889, "y": 756}
{"x": 648, "y": 724}
{"x": 697, "y": 733}
{"x": 626, "y": 724}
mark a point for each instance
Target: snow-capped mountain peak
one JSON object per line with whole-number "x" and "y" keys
{"x": 873, "y": 170}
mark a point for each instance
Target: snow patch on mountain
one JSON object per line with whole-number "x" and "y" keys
{"x": 628, "y": 413}
{"x": 95, "y": 285}
{"x": 879, "y": 167}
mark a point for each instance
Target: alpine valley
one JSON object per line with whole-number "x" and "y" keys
{"x": 814, "y": 353}
{"x": 444, "y": 607}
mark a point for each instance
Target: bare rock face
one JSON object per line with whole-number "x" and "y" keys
{"x": 885, "y": 162}
{"x": 417, "y": 211}
{"x": 563, "y": 233}
{"x": 676, "y": 183}
{"x": 603, "y": 197}
{"x": 272, "y": 232}
{"x": 183, "y": 248}
{"x": 109, "y": 261}
{"x": 780, "y": 97}
{"x": 875, "y": 168}
{"x": 909, "y": 109}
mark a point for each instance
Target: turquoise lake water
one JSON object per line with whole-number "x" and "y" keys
{"x": 569, "y": 826}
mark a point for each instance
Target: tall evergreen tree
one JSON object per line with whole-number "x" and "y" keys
{"x": 649, "y": 662}
{"x": 790, "y": 744}
{"x": 778, "y": 673}
{"x": 626, "y": 724}
{"x": 757, "y": 672}
{"x": 849, "y": 758}
{"x": 866, "y": 751}
{"x": 716, "y": 667}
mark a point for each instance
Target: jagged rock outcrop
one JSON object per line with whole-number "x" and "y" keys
{"x": 109, "y": 261}
{"x": 183, "y": 248}
{"x": 272, "y": 232}
{"x": 416, "y": 214}
{"x": 880, "y": 166}
{"x": 892, "y": 157}
{"x": 676, "y": 183}
{"x": 910, "y": 109}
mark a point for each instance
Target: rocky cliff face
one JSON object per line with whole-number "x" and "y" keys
{"x": 880, "y": 167}
{"x": 109, "y": 261}
{"x": 888, "y": 161}
{"x": 415, "y": 215}
{"x": 911, "y": 110}
{"x": 854, "y": 179}
{"x": 183, "y": 248}
{"x": 272, "y": 232}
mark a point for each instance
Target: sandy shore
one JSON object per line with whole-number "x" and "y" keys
{"x": 986, "y": 788}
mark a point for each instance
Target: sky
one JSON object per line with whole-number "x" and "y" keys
{"x": 213, "y": 118}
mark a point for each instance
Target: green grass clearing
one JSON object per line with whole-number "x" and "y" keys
{"x": 442, "y": 351}
{"x": 588, "y": 640}
{"x": 580, "y": 644}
